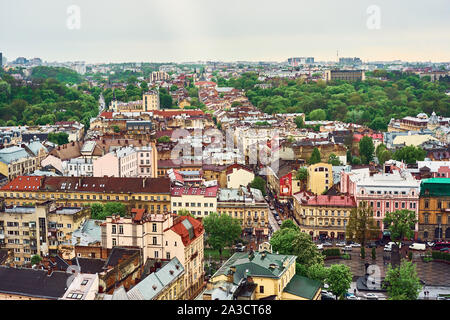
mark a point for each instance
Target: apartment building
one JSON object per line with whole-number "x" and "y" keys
{"x": 122, "y": 162}
{"x": 78, "y": 167}
{"x": 248, "y": 205}
{"x": 151, "y": 101}
{"x": 434, "y": 209}
{"x": 147, "y": 161}
{"x": 161, "y": 236}
{"x": 320, "y": 177}
{"x": 39, "y": 229}
{"x": 199, "y": 201}
{"x": 239, "y": 176}
{"x": 323, "y": 216}
{"x": 345, "y": 75}
{"x": 152, "y": 194}
{"x": 21, "y": 160}
{"x": 261, "y": 275}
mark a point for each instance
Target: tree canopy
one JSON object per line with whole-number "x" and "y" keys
{"x": 366, "y": 149}
{"x": 339, "y": 279}
{"x": 361, "y": 225}
{"x": 401, "y": 224}
{"x": 260, "y": 184}
{"x": 222, "y": 230}
{"x": 402, "y": 282}
{"x": 101, "y": 212}
{"x": 410, "y": 154}
{"x": 315, "y": 157}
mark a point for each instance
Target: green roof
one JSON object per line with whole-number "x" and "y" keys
{"x": 259, "y": 266}
{"x": 303, "y": 287}
{"x": 435, "y": 187}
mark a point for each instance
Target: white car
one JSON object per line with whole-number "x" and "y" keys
{"x": 279, "y": 222}
{"x": 348, "y": 248}
{"x": 320, "y": 246}
{"x": 340, "y": 244}
{"x": 418, "y": 246}
{"x": 353, "y": 297}
{"x": 355, "y": 245}
{"x": 388, "y": 247}
{"x": 371, "y": 296}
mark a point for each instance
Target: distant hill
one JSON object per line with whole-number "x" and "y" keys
{"x": 58, "y": 73}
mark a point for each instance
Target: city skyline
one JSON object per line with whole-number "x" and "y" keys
{"x": 174, "y": 31}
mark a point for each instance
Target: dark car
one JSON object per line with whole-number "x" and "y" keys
{"x": 371, "y": 245}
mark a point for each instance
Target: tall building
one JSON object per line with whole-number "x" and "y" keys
{"x": 159, "y": 76}
{"x": 350, "y": 61}
{"x": 294, "y": 62}
{"x": 1, "y": 59}
{"x": 320, "y": 177}
{"x": 434, "y": 209}
{"x": 151, "y": 101}
{"x": 346, "y": 75}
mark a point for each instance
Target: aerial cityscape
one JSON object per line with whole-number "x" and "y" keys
{"x": 320, "y": 175}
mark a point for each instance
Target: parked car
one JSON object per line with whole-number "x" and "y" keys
{"x": 348, "y": 248}
{"x": 430, "y": 243}
{"x": 371, "y": 296}
{"x": 371, "y": 245}
{"x": 320, "y": 246}
{"x": 418, "y": 246}
{"x": 340, "y": 244}
{"x": 352, "y": 297}
{"x": 356, "y": 245}
{"x": 327, "y": 244}
{"x": 327, "y": 295}
{"x": 388, "y": 247}
{"x": 279, "y": 222}
{"x": 271, "y": 207}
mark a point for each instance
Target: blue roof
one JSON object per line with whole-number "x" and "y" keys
{"x": 154, "y": 284}
{"x": 12, "y": 154}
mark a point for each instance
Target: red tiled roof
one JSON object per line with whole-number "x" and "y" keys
{"x": 195, "y": 191}
{"x": 180, "y": 229}
{"x": 170, "y": 113}
{"x": 107, "y": 115}
{"x": 375, "y": 136}
{"x": 24, "y": 184}
{"x": 93, "y": 184}
{"x": 237, "y": 166}
{"x": 139, "y": 213}
{"x": 336, "y": 201}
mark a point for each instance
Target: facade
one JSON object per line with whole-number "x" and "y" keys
{"x": 151, "y": 101}
{"x": 199, "y": 201}
{"x": 320, "y": 177}
{"x": 263, "y": 275}
{"x": 152, "y": 194}
{"x": 322, "y": 215}
{"x": 249, "y": 206}
{"x": 78, "y": 167}
{"x": 160, "y": 236}
{"x": 434, "y": 209}
{"x": 119, "y": 163}
{"x": 239, "y": 176}
{"x": 345, "y": 75}
{"x": 38, "y": 230}
{"x": 16, "y": 161}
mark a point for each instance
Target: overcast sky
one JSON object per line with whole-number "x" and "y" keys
{"x": 229, "y": 30}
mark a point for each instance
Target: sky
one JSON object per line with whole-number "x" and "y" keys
{"x": 226, "y": 30}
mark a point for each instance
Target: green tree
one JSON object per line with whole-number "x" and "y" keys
{"x": 302, "y": 174}
{"x": 318, "y": 115}
{"x": 315, "y": 157}
{"x": 361, "y": 225}
{"x": 116, "y": 128}
{"x": 96, "y": 211}
{"x": 59, "y": 138}
{"x": 401, "y": 224}
{"x": 410, "y": 154}
{"x": 299, "y": 122}
{"x": 260, "y": 184}
{"x": 36, "y": 259}
{"x": 163, "y": 139}
{"x": 288, "y": 224}
{"x": 221, "y": 231}
{"x": 402, "y": 282}
{"x": 385, "y": 155}
{"x": 185, "y": 212}
{"x": 374, "y": 253}
{"x": 366, "y": 149}
{"x": 334, "y": 160}
{"x": 318, "y": 272}
{"x": 292, "y": 241}
{"x": 339, "y": 280}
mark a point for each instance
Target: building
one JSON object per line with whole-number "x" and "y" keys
{"x": 320, "y": 177}
{"x": 151, "y": 101}
{"x": 345, "y": 75}
{"x": 418, "y": 123}
{"x": 263, "y": 276}
{"x": 384, "y": 192}
{"x": 239, "y": 176}
{"x": 40, "y": 229}
{"x": 32, "y": 284}
{"x": 434, "y": 209}
{"x": 121, "y": 163}
{"x": 249, "y": 206}
{"x": 159, "y": 76}
{"x": 160, "y": 236}
{"x": 323, "y": 216}
{"x": 78, "y": 167}
{"x": 83, "y": 287}
{"x": 199, "y": 201}
{"x": 17, "y": 161}
{"x": 152, "y": 194}
{"x": 164, "y": 284}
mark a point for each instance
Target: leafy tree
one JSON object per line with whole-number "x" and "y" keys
{"x": 292, "y": 241}
{"x": 402, "y": 282}
{"x": 318, "y": 272}
{"x": 334, "y": 160}
{"x": 165, "y": 100}
{"x": 410, "y": 154}
{"x": 299, "y": 122}
{"x": 401, "y": 224}
{"x": 59, "y": 138}
{"x": 58, "y": 73}
{"x": 36, "y": 259}
{"x": 356, "y": 160}
{"x": 361, "y": 225}
{"x": 221, "y": 231}
{"x": 385, "y": 155}
{"x": 374, "y": 253}
{"x": 260, "y": 184}
{"x": 302, "y": 174}
{"x": 101, "y": 212}
{"x": 339, "y": 280}
{"x": 116, "y": 128}
{"x": 144, "y": 86}
{"x": 363, "y": 252}
{"x": 315, "y": 157}
{"x": 96, "y": 210}
{"x": 164, "y": 139}
{"x": 185, "y": 212}
{"x": 288, "y": 224}
{"x": 366, "y": 149}
{"x": 317, "y": 115}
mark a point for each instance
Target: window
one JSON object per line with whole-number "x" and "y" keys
{"x": 156, "y": 254}
{"x": 114, "y": 242}
{"x": 154, "y": 227}
{"x": 168, "y": 255}
{"x": 155, "y": 240}
{"x": 120, "y": 229}
{"x": 427, "y": 204}
{"x": 261, "y": 289}
{"x": 114, "y": 231}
